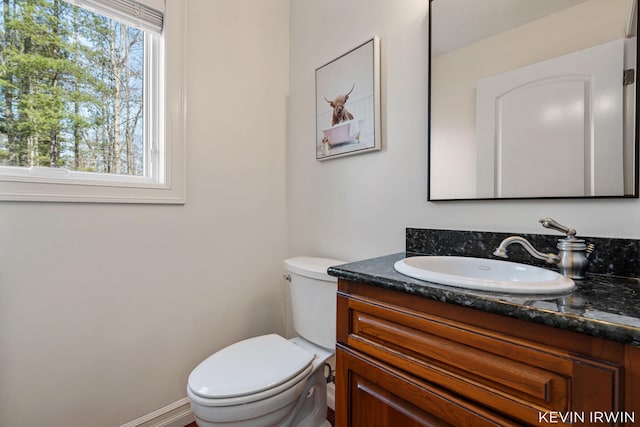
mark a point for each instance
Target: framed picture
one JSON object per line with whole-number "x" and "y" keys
{"x": 348, "y": 103}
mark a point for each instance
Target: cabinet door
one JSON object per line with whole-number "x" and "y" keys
{"x": 371, "y": 394}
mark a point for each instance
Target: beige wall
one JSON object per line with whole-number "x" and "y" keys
{"x": 358, "y": 207}
{"x": 105, "y": 309}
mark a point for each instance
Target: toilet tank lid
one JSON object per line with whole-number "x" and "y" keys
{"x": 313, "y": 267}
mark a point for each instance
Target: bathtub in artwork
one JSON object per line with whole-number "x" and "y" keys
{"x": 344, "y": 132}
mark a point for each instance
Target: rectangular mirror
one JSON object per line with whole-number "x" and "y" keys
{"x": 532, "y": 99}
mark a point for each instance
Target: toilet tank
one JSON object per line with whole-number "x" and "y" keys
{"x": 313, "y": 299}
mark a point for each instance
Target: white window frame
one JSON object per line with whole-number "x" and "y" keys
{"x": 165, "y": 180}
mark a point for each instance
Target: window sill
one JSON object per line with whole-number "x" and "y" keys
{"x": 132, "y": 190}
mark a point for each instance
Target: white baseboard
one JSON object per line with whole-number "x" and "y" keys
{"x": 176, "y": 414}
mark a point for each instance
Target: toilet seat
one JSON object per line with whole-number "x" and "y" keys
{"x": 287, "y": 387}
{"x": 249, "y": 370}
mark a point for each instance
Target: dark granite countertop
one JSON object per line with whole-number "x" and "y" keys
{"x": 601, "y": 306}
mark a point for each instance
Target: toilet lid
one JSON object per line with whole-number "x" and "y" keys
{"x": 248, "y": 367}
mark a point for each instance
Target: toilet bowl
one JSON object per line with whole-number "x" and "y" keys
{"x": 269, "y": 380}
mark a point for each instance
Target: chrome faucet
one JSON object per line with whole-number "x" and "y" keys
{"x": 573, "y": 256}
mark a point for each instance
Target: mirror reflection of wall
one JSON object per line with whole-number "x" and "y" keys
{"x": 513, "y": 81}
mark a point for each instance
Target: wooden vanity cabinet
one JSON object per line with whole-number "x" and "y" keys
{"x": 404, "y": 360}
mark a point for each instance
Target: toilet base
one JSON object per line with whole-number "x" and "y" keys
{"x": 309, "y": 410}
{"x": 313, "y": 409}
{"x": 305, "y": 404}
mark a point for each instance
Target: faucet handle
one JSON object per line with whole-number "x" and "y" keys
{"x": 590, "y": 248}
{"x": 552, "y": 224}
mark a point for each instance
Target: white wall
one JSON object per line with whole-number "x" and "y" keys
{"x": 105, "y": 309}
{"x": 357, "y": 207}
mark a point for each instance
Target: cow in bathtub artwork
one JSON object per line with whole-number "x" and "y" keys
{"x": 344, "y": 128}
{"x": 348, "y": 103}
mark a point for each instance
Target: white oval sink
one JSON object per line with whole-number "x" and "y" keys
{"x": 484, "y": 274}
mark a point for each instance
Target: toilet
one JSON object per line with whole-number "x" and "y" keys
{"x": 269, "y": 380}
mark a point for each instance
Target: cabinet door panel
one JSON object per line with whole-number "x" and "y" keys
{"x": 372, "y": 405}
{"x": 377, "y": 395}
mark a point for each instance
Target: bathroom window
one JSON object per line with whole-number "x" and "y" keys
{"x": 85, "y": 97}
